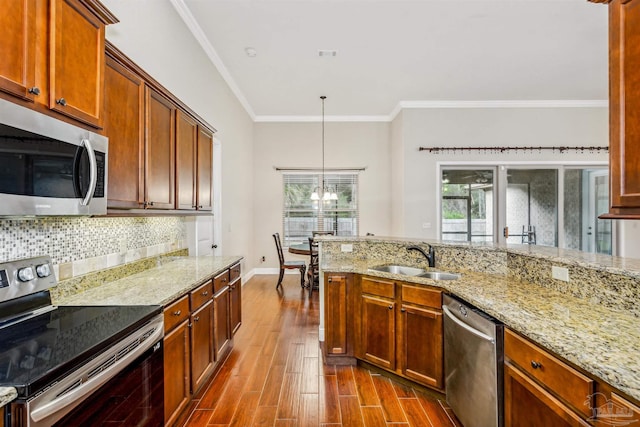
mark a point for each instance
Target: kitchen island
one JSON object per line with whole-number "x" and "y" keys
{"x": 592, "y": 321}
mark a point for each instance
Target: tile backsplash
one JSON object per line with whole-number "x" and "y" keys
{"x": 80, "y": 245}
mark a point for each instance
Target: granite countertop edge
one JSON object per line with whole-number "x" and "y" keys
{"x": 7, "y": 394}
{"x": 160, "y": 285}
{"x": 560, "y": 323}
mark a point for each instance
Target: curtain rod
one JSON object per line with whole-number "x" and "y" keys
{"x": 285, "y": 169}
{"x": 438, "y": 150}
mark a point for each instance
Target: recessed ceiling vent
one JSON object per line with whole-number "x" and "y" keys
{"x": 327, "y": 52}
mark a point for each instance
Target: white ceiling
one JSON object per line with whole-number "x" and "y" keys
{"x": 401, "y": 53}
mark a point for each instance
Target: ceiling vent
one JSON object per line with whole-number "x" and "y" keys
{"x": 327, "y": 52}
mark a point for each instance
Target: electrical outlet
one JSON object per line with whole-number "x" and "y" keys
{"x": 263, "y": 259}
{"x": 346, "y": 247}
{"x": 560, "y": 273}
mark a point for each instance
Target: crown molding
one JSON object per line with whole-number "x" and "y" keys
{"x": 313, "y": 119}
{"x": 202, "y": 39}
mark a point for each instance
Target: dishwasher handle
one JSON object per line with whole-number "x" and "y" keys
{"x": 468, "y": 328}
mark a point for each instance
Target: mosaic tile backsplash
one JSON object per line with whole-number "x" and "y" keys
{"x": 80, "y": 245}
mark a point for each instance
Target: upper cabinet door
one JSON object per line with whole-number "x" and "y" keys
{"x": 160, "y": 151}
{"x": 624, "y": 73}
{"x": 123, "y": 124}
{"x": 17, "y": 48}
{"x": 76, "y": 61}
{"x": 205, "y": 170}
{"x": 186, "y": 137}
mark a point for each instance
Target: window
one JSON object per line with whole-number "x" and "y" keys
{"x": 301, "y": 215}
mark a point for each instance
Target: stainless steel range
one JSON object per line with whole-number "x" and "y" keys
{"x": 76, "y": 366}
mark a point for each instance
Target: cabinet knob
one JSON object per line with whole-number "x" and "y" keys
{"x": 329, "y": 280}
{"x": 62, "y": 102}
{"x": 200, "y": 206}
{"x": 177, "y": 313}
{"x": 390, "y": 307}
{"x": 536, "y": 365}
{"x": 197, "y": 318}
{"x": 205, "y": 293}
{"x": 34, "y": 90}
{"x": 403, "y": 310}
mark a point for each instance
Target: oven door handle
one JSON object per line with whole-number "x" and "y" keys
{"x": 75, "y": 396}
{"x": 93, "y": 172}
{"x": 466, "y": 327}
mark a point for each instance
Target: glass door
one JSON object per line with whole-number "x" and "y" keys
{"x": 531, "y": 206}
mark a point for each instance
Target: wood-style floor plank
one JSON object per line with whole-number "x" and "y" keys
{"x": 275, "y": 375}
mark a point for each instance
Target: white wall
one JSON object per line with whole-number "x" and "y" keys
{"x": 153, "y": 35}
{"x": 299, "y": 145}
{"x": 481, "y": 127}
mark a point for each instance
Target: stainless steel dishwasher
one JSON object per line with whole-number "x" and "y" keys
{"x": 473, "y": 358}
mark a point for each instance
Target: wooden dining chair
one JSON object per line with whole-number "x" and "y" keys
{"x": 313, "y": 273}
{"x": 286, "y": 265}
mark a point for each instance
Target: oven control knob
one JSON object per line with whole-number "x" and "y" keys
{"x": 25, "y": 274}
{"x": 43, "y": 270}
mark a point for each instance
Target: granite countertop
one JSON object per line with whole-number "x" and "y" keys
{"x": 156, "y": 286}
{"x": 7, "y": 394}
{"x": 600, "y": 340}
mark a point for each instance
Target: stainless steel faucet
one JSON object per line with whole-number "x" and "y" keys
{"x": 430, "y": 256}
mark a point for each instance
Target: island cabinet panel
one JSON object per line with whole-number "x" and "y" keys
{"x": 177, "y": 370}
{"x": 123, "y": 124}
{"x": 159, "y": 151}
{"x": 221, "y": 322}
{"x": 77, "y": 61}
{"x": 18, "y": 48}
{"x": 235, "y": 299}
{"x": 186, "y": 143}
{"x": 624, "y": 108}
{"x": 419, "y": 335}
{"x": 337, "y": 294}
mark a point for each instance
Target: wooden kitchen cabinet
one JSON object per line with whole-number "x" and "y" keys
{"x": 624, "y": 108}
{"x": 540, "y": 389}
{"x": 177, "y": 359}
{"x": 201, "y": 321}
{"x": 194, "y": 164}
{"x": 337, "y": 326}
{"x": 235, "y": 299}
{"x": 18, "y": 48}
{"x": 378, "y": 336}
{"x": 159, "y": 151}
{"x": 204, "y": 177}
{"x": 124, "y": 125}
{"x": 420, "y": 335}
{"x": 53, "y": 56}
{"x": 221, "y": 323}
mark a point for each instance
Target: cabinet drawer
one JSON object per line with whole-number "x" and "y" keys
{"x": 176, "y": 313}
{"x": 561, "y": 379}
{"x": 378, "y": 287}
{"x": 201, "y": 295}
{"x": 234, "y": 272}
{"x": 422, "y": 296}
{"x": 220, "y": 281}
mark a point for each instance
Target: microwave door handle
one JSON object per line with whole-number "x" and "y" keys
{"x": 93, "y": 172}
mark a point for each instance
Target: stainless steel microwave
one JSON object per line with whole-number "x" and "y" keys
{"x": 49, "y": 167}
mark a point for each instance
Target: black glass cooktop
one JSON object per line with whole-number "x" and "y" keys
{"x": 38, "y": 351}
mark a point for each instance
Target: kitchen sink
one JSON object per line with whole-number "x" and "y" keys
{"x": 414, "y": 271}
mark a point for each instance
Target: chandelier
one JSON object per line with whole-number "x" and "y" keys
{"x": 328, "y": 193}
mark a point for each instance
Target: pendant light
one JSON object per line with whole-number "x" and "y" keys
{"x": 328, "y": 193}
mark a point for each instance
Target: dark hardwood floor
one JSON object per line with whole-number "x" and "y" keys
{"x": 275, "y": 375}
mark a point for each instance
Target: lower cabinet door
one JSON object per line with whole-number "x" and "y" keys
{"x": 202, "y": 353}
{"x": 221, "y": 321}
{"x": 177, "y": 375}
{"x": 235, "y": 300}
{"x": 378, "y": 331}
{"x": 527, "y": 404}
{"x": 422, "y": 346}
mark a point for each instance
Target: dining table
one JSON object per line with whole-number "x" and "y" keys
{"x": 300, "y": 249}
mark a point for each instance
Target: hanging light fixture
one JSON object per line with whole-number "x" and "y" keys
{"x": 327, "y": 192}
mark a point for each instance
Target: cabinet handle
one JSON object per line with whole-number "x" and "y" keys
{"x": 390, "y": 307}
{"x": 197, "y": 318}
{"x": 177, "y": 313}
{"x": 34, "y": 90}
{"x": 205, "y": 293}
{"x": 536, "y": 365}
{"x": 62, "y": 102}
